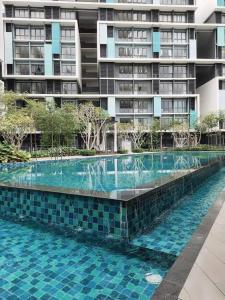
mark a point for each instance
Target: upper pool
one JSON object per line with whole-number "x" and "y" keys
{"x": 106, "y": 174}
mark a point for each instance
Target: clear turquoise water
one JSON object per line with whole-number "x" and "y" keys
{"x": 106, "y": 174}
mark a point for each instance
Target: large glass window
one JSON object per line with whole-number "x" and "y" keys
{"x": 165, "y": 17}
{"x": 69, "y": 87}
{"x": 68, "y": 52}
{"x": 142, "y": 87}
{"x": 180, "y": 87}
{"x": 23, "y": 87}
{"x": 166, "y": 71}
{"x": 179, "y": 18}
{"x": 125, "y": 87}
{"x": 180, "y": 51}
{"x": 142, "y": 106}
{"x": 180, "y": 106}
{"x": 22, "y": 33}
{"x": 139, "y": 52}
{"x": 22, "y": 51}
{"x": 140, "y": 71}
{"x": 180, "y": 37}
{"x": 37, "y": 13}
{"x": 37, "y": 51}
{"x": 167, "y": 106}
{"x": 68, "y": 69}
{"x": 139, "y": 16}
{"x": 180, "y": 71}
{"x": 125, "y": 71}
{"x": 166, "y": 87}
{"x": 22, "y": 68}
{"x": 21, "y": 13}
{"x": 38, "y": 87}
{"x": 126, "y": 106}
{"x": 166, "y": 51}
{"x": 37, "y": 33}
{"x": 125, "y": 34}
{"x": 67, "y": 14}
{"x": 166, "y": 122}
{"x": 68, "y": 34}
{"x": 37, "y": 68}
{"x": 140, "y": 35}
{"x": 166, "y": 37}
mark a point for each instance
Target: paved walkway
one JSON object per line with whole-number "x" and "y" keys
{"x": 206, "y": 280}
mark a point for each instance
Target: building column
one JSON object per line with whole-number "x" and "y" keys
{"x": 115, "y": 138}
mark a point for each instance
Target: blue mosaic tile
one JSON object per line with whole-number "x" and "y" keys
{"x": 38, "y": 264}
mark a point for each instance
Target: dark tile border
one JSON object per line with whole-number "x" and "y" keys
{"x": 174, "y": 281}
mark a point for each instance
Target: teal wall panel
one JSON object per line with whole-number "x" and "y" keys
{"x": 221, "y": 36}
{"x": 8, "y": 48}
{"x": 193, "y": 118}
{"x": 111, "y": 48}
{"x": 157, "y": 106}
{"x": 156, "y": 42}
{"x": 220, "y": 2}
{"x": 56, "y": 36}
{"x": 48, "y": 59}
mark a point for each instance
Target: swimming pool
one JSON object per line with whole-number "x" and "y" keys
{"x": 106, "y": 174}
{"x": 38, "y": 263}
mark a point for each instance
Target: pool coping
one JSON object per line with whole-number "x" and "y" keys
{"x": 173, "y": 283}
{"x": 124, "y": 196}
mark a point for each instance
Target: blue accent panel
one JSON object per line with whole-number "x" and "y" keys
{"x": 156, "y": 42}
{"x": 111, "y": 1}
{"x": 56, "y": 44}
{"x": 157, "y": 106}
{"x": 111, "y": 48}
{"x": 220, "y": 36}
{"x": 220, "y": 2}
{"x": 48, "y": 59}
{"x": 193, "y": 118}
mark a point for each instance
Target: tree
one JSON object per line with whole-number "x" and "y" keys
{"x": 93, "y": 123}
{"x": 10, "y": 100}
{"x": 181, "y": 134}
{"x": 210, "y": 123}
{"x": 15, "y": 127}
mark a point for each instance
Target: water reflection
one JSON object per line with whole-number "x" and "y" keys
{"x": 109, "y": 173}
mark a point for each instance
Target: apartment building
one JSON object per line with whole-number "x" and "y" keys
{"x": 138, "y": 59}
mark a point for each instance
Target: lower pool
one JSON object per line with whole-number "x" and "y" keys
{"x": 36, "y": 263}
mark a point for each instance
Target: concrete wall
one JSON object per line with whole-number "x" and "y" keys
{"x": 205, "y": 9}
{"x": 209, "y": 97}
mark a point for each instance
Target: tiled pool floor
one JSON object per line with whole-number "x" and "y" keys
{"x": 174, "y": 230}
{"x": 36, "y": 264}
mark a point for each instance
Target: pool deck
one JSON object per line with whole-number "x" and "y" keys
{"x": 199, "y": 272}
{"x": 207, "y": 277}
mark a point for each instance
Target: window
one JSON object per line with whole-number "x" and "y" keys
{"x": 125, "y": 34}
{"x": 125, "y": 71}
{"x": 167, "y": 106}
{"x": 140, "y": 35}
{"x": 166, "y": 37}
{"x": 124, "y": 16}
{"x": 22, "y": 33}
{"x": 180, "y": 71}
{"x": 166, "y": 122}
{"x": 22, "y": 51}
{"x": 165, "y": 17}
{"x": 125, "y": 52}
{"x": 23, "y": 87}
{"x": 21, "y": 13}
{"x": 68, "y": 69}
{"x": 180, "y": 87}
{"x": 68, "y": 34}
{"x": 179, "y": 18}
{"x": 139, "y": 16}
{"x": 142, "y": 87}
{"x": 166, "y": 71}
{"x": 37, "y": 69}
{"x": 125, "y": 87}
{"x": 69, "y": 88}
{"x": 38, "y": 87}
{"x": 166, "y": 87}
{"x": 142, "y": 106}
{"x": 67, "y": 14}
{"x": 22, "y": 69}
{"x": 37, "y": 14}
{"x": 180, "y": 37}
{"x": 126, "y": 106}
{"x": 182, "y": 120}
{"x": 140, "y": 71}
{"x": 166, "y": 51}
{"x": 180, "y": 106}
{"x": 37, "y": 51}
{"x": 139, "y": 52}
{"x": 143, "y": 121}
{"x": 37, "y": 33}
{"x": 180, "y": 51}
{"x": 68, "y": 52}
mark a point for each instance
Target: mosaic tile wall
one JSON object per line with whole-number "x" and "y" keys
{"x": 103, "y": 217}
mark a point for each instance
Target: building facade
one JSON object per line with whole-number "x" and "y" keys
{"x": 138, "y": 59}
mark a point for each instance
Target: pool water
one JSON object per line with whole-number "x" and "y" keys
{"x": 106, "y": 174}
{"x": 38, "y": 264}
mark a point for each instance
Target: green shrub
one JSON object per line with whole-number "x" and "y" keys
{"x": 86, "y": 152}
{"x": 60, "y": 151}
{"x": 8, "y": 153}
{"x": 122, "y": 151}
{"x": 138, "y": 150}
